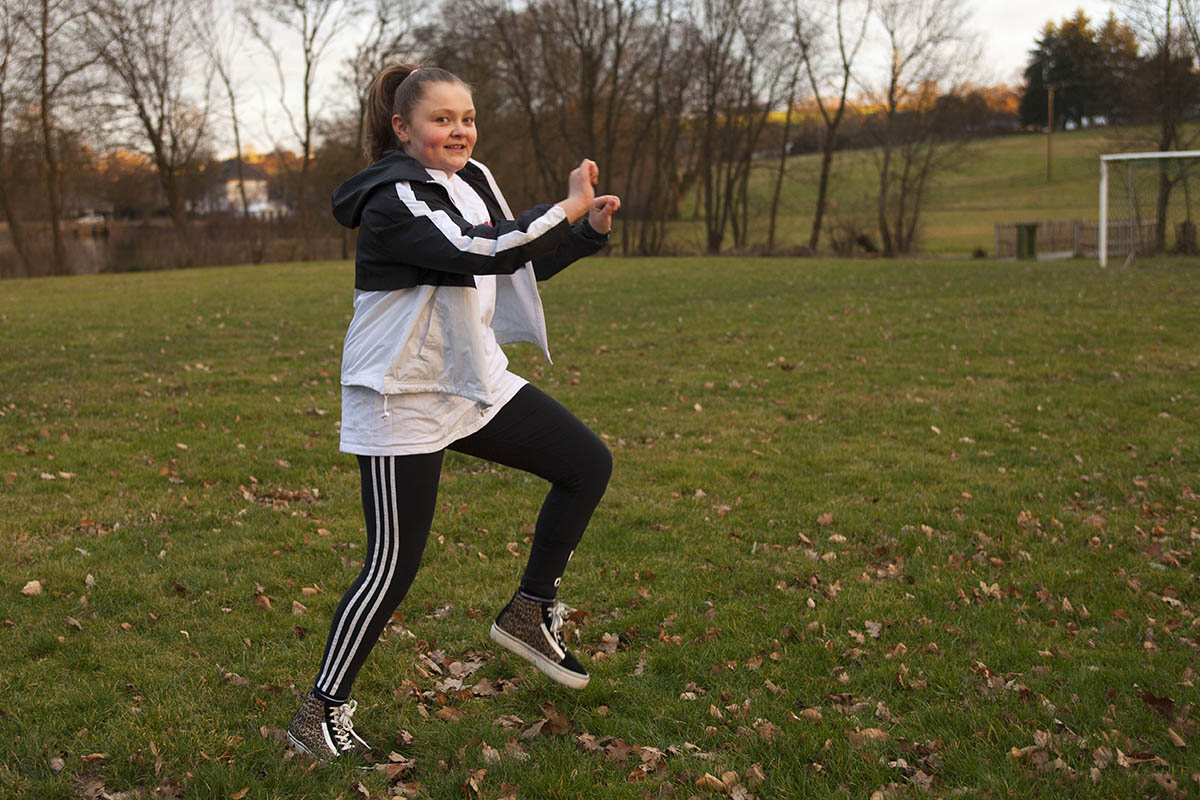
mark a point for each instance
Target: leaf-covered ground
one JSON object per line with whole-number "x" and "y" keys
{"x": 876, "y": 530}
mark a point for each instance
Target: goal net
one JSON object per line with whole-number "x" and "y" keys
{"x": 1146, "y": 204}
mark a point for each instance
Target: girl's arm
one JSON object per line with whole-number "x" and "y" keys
{"x": 434, "y": 236}
{"x": 431, "y": 234}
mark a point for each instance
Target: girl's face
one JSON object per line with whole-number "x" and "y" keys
{"x": 441, "y": 133}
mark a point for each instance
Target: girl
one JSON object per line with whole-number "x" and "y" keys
{"x": 444, "y": 275}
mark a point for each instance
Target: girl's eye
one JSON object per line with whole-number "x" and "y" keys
{"x": 469, "y": 120}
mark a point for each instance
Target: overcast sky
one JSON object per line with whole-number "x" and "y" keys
{"x": 1009, "y": 28}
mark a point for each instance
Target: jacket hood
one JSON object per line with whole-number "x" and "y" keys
{"x": 350, "y": 198}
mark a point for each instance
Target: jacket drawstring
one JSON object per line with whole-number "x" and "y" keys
{"x": 385, "y": 413}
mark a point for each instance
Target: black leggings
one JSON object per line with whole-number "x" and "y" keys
{"x": 534, "y": 433}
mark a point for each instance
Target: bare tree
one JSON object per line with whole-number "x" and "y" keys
{"x": 1169, "y": 89}
{"x": 784, "y": 146}
{"x": 149, "y": 49}
{"x": 658, "y": 169}
{"x": 223, "y": 41}
{"x": 737, "y": 83}
{"x": 830, "y": 40}
{"x": 54, "y": 26}
{"x": 309, "y": 26}
{"x": 927, "y": 45}
{"x": 15, "y": 82}
{"x": 1189, "y": 12}
{"x": 389, "y": 39}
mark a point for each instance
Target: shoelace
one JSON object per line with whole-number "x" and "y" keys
{"x": 343, "y": 726}
{"x": 558, "y": 615}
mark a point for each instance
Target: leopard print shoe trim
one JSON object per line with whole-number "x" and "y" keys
{"x": 523, "y": 619}
{"x": 306, "y": 734}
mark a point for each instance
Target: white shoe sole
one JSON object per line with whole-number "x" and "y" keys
{"x": 296, "y": 747}
{"x": 564, "y": 676}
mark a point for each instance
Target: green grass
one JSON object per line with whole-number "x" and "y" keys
{"x": 954, "y": 502}
{"x": 1002, "y": 179}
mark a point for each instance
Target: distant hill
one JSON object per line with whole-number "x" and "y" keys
{"x": 1001, "y": 179}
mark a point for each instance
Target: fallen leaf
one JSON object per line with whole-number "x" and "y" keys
{"x": 490, "y": 754}
{"x": 514, "y": 750}
{"x": 238, "y": 795}
{"x": 860, "y": 738}
{"x": 93, "y": 758}
{"x": 448, "y": 714}
{"x": 74, "y": 623}
{"x": 298, "y": 608}
{"x": 32, "y": 589}
{"x": 1163, "y": 706}
{"x": 533, "y": 730}
{"x": 558, "y": 723}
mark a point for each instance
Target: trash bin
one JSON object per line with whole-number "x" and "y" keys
{"x": 1027, "y": 240}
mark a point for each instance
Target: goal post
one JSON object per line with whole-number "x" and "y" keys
{"x": 1146, "y": 203}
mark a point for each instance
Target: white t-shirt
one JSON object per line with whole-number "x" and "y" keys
{"x": 426, "y": 422}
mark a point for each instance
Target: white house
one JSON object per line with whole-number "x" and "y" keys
{"x": 225, "y": 196}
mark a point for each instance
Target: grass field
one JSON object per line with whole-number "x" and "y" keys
{"x": 909, "y": 527}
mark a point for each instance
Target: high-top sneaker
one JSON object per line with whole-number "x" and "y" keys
{"x": 325, "y": 730}
{"x": 530, "y": 628}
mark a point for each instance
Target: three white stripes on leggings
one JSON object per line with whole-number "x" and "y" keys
{"x": 365, "y": 603}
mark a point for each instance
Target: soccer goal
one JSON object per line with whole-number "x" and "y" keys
{"x": 1146, "y": 204}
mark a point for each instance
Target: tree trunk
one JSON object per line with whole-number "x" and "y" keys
{"x": 885, "y": 235}
{"x": 16, "y": 232}
{"x": 53, "y": 163}
{"x": 783, "y": 153}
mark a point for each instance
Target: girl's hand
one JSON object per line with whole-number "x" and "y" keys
{"x": 601, "y": 213}
{"x": 580, "y": 189}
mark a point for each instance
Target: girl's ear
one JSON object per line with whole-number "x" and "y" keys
{"x": 400, "y": 128}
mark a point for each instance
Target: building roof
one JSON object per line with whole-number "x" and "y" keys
{"x": 250, "y": 172}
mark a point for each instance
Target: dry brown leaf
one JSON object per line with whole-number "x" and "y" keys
{"x": 474, "y": 781}
{"x": 767, "y": 730}
{"x": 533, "y": 730}
{"x": 710, "y": 781}
{"x": 32, "y": 589}
{"x": 240, "y": 793}
{"x": 490, "y": 754}
{"x": 515, "y": 751}
{"x": 1175, "y": 738}
{"x": 448, "y": 714}
{"x": 861, "y": 738}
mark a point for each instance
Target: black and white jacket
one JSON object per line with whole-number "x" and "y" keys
{"x": 417, "y": 325}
